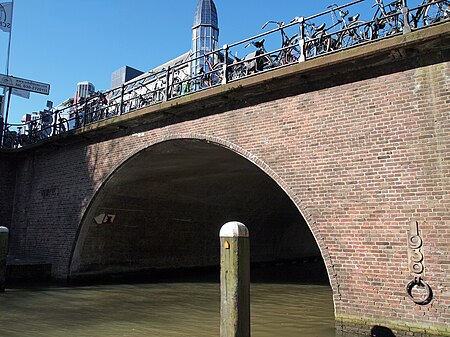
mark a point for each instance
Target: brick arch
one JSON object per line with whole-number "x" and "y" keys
{"x": 258, "y": 162}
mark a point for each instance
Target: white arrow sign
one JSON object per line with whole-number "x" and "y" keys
{"x": 21, "y": 83}
{"x": 103, "y": 218}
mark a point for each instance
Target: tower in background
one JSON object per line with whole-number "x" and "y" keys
{"x": 205, "y": 33}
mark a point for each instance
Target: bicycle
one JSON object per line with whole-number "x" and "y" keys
{"x": 317, "y": 40}
{"x": 237, "y": 69}
{"x": 11, "y": 139}
{"x": 289, "y": 52}
{"x": 94, "y": 107}
{"x": 387, "y": 19}
{"x": 350, "y": 33}
{"x": 153, "y": 86}
{"x": 181, "y": 83}
{"x": 60, "y": 124}
{"x": 37, "y": 131}
{"x": 213, "y": 76}
{"x": 258, "y": 60}
{"x": 41, "y": 125}
{"x": 429, "y": 12}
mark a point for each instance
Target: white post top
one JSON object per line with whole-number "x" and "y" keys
{"x": 3, "y": 229}
{"x": 233, "y": 229}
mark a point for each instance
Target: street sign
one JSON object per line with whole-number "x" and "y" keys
{"x": 103, "y": 218}
{"x": 21, "y": 83}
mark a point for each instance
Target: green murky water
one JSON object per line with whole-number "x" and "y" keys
{"x": 162, "y": 309}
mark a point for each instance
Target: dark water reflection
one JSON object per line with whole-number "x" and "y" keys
{"x": 162, "y": 309}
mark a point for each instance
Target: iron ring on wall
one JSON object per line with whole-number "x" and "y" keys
{"x": 418, "y": 282}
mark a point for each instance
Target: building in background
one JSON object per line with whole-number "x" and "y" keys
{"x": 205, "y": 39}
{"x": 205, "y": 35}
{"x": 84, "y": 90}
{"x": 123, "y": 75}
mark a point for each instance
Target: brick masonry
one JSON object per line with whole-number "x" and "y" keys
{"x": 360, "y": 160}
{"x": 7, "y": 183}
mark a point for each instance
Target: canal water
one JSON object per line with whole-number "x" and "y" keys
{"x": 162, "y": 309}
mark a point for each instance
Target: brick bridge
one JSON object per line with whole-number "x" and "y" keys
{"x": 332, "y": 158}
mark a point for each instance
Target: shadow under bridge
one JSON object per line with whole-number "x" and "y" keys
{"x": 166, "y": 205}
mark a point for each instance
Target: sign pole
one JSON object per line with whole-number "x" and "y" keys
{"x": 5, "y": 122}
{"x": 2, "y": 103}
{"x": 9, "y": 41}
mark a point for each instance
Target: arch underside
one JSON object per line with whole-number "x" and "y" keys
{"x": 168, "y": 203}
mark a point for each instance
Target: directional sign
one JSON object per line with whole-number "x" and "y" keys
{"x": 21, "y": 83}
{"x": 103, "y": 218}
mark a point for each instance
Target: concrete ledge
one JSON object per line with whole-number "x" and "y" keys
{"x": 27, "y": 270}
{"x": 355, "y": 325}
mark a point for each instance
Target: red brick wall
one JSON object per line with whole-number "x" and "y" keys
{"x": 360, "y": 160}
{"x": 7, "y": 183}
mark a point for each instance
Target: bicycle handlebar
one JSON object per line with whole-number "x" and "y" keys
{"x": 257, "y": 44}
{"x": 334, "y": 7}
{"x": 278, "y": 23}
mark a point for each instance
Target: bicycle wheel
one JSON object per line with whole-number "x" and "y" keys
{"x": 292, "y": 55}
{"x": 237, "y": 71}
{"x": 185, "y": 87}
{"x": 362, "y": 30}
{"x": 46, "y": 131}
{"x": 290, "y": 52}
{"x": 357, "y": 32}
{"x": 175, "y": 88}
{"x": 384, "y": 27}
{"x": 217, "y": 74}
{"x": 63, "y": 125}
{"x": 8, "y": 141}
{"x": 347, "y": 39}
{"x": 310, "y": 50}
{"x": 318, "y": 46}
{"x": 436, "y": 12}
{"x": 313, "y": 48}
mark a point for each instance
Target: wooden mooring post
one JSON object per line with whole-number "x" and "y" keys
{"x": 3, "y": 253}
{"x": 234, "y": 280}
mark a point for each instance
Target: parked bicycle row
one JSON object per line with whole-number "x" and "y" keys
{"x": 287, "y": 43}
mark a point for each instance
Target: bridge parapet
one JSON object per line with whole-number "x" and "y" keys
{"x": 302, "y": 40}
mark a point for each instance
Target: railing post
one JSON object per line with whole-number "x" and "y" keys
{"x": 5, "y": 121}
{"x": 31, "y": 130}
{"x": 405, "y": 13}
{"x": 225, "y": 64}
{"x": 301, "y": 42}
{"x": 1, "y": 130}
{"x": 122, "y": 93}
{"x": 3, "y": 254}
{"x": 234, "y": 280}
{"x": 54, "y": 122}
{"x": 166, "y": 90}
{"x": 85, "y": 111}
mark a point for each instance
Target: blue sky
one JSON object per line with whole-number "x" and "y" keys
{"x": 63, "y": 42}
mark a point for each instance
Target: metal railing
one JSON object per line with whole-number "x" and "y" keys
{"x": 301, "y": 40}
